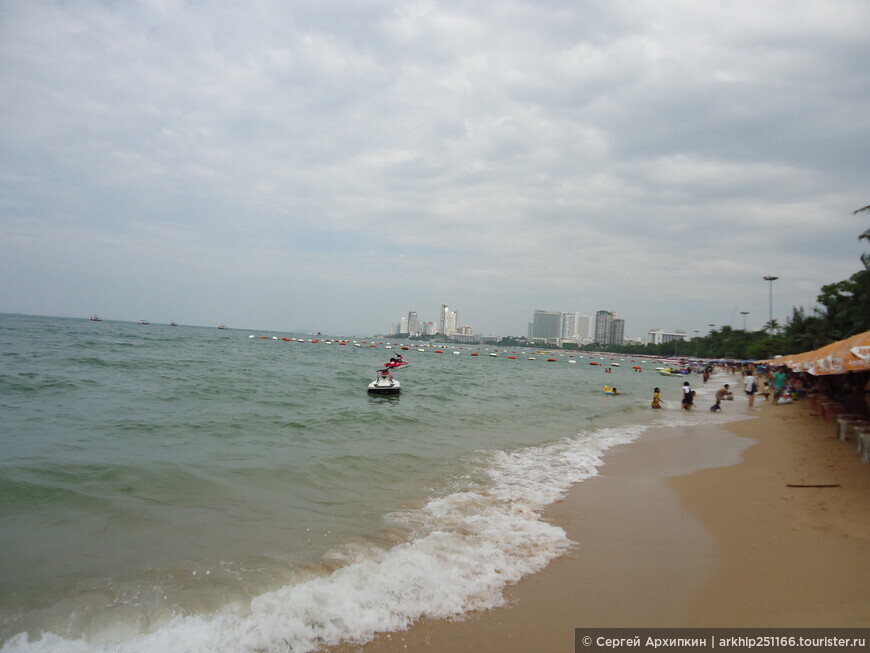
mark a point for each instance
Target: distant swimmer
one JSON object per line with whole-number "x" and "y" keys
{"x": 610, "y": 391}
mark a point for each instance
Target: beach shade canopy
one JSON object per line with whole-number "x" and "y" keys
{"x": 849, "y": 355}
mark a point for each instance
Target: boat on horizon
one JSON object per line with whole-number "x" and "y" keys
{"x": 96, "y": 318}
{"x": 144, "y": 322}
{"x": 222, "y": 326}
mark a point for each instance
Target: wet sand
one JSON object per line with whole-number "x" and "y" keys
{"x": 693, "y": 527}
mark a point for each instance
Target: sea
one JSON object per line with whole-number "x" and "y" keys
{"x": 192, "y": 488}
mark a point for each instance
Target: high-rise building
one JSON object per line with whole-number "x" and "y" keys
{"x": 546, "y": 325}
{"x": 603, "y": 322}
{"x": 617, "y": 331}
{"x": 413, "y": 323}
{"x": 575, "y": 326}
{"x": 403, "y": 325}
{"x": 449, "y": 320}
{"x": 609, "y": 328}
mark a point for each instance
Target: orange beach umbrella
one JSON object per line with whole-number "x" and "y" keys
{"x": 849, "y": 355}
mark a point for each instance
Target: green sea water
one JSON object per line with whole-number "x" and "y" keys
{"x": 232, "y": 489}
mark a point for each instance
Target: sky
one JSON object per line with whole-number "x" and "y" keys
{"x": 331, "y": 165}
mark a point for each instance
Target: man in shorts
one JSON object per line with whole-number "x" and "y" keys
{"x": 721, "y": 393}
{"x": 749, "y": 387}
{"x": 779, "y": 379}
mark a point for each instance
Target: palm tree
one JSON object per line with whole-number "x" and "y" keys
{"x": 772, "y": 326}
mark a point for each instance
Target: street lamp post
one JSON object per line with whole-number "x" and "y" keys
{"x": 744, "y": 314}
{"x": 771, "y": 280}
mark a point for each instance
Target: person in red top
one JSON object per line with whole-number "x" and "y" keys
{"x": 397, "y": 361}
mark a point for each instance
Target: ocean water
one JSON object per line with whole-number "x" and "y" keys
{"x": 227, "y": 490}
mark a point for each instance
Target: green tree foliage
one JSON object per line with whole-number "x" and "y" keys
{"x": 846, "y": 306}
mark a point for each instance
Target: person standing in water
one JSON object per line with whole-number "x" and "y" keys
{"x": 721, "y": 393}
{"x": 688, "y": 396}
{"x": 749, "y": 386}
{"x": 657, "y": 399}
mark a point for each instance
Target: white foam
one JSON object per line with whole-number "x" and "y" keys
{"x": 466, "y": 547}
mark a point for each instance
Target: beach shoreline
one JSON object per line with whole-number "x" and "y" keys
{"x": 793, "y": 523}
{"x": 692, "y": 526}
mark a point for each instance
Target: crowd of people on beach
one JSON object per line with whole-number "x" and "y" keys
{"x": 778, "y": 385}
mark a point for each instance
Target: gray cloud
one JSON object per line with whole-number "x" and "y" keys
{"x": 333, "y": 165}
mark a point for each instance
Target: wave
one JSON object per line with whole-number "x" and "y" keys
{"x": 462, "y": 549}
{"x": 31, "y": 383}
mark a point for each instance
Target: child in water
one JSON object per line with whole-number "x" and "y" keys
{"x": 657, "y": 399}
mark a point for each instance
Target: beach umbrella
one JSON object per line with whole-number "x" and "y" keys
{"x": 849, "y": 355}
{"x": 841, "y": 357}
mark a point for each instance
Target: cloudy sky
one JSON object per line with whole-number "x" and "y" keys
{"x": 331, "y": 165}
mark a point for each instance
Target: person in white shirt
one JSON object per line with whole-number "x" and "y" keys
{"x": 688, "y": 396}
{"x": 749, "y": 387}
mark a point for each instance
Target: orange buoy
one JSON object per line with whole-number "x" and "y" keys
{"x": 438, "y": 351}
{"x": 513, "y": 358}
{"x": 551, "y": 360}
{"x": 474, "y": 353}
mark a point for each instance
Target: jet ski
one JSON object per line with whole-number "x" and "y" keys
{"x": 385, "y": 384}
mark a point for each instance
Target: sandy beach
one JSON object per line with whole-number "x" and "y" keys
{"x": 693, "y": 527}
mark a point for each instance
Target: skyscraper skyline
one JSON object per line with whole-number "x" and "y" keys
{"x": 606, "y": 328}
{"x": 447, "y": 324}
